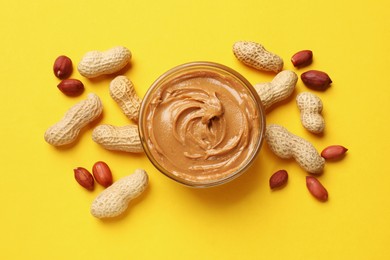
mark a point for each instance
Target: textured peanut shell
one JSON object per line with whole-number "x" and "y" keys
{"x": 77, "y": 117}
{"x": 118, "y": 138}
{"x": 115, "y": 199}
{"x": 279, "y": 89}
{"x": 97, "y": 63}
{"x": 287, "y": 145}
{"x": 256, "y": 56}
{"x": 310, "y": 107}
{"x": 123, "y": 92}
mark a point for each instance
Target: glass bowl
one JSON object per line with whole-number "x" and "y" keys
{"x": 201, "y": 124}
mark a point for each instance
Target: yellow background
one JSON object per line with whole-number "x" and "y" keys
{"x": 44, "y": 213}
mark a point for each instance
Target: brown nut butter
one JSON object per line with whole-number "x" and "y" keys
{"x": 201, "y": 124}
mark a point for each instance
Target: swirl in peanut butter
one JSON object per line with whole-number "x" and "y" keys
{"x": 202, "y": 126}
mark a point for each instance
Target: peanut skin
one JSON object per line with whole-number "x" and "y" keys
{"x": 280, "y": 88}
{"x": 118, "y": 138}
{"x": 316, "y": 188}
{"x": 316, "y": 80}
{"x": 256, "y": 56}
{"x": 77, "y": 117}
{"x": 115, "y": 199}
{"x": 123, "y": 92}
{"x": 97, "y": 63}
{"x": 334, "y": 152}
{"x": 310, "y": 107}
{"x": 287, "y": 145}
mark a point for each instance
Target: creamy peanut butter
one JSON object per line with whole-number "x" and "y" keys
{"x": 201, "y": 126}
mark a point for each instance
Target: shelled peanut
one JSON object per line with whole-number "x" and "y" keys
{"x": 316, "y": 188}
{"x": 302, "y": 58}
{"x": 278, "y": 179}
{"x": 316, "y": 80}
{"x": 101, "y": 172}
{"x": 71, "y": 87}
{"x": 333, "y": 152}
{"x": 84, "y": 178}
{"x": 62, "y": 67}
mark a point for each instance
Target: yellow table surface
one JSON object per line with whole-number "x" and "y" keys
{"x": 45, "y": 214}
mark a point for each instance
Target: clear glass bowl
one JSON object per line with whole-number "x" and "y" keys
{"x": 199, "y": 71}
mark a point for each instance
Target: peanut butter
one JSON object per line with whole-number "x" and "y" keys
{"x": 201, "y": 126}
